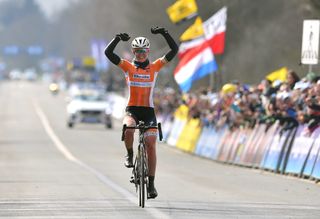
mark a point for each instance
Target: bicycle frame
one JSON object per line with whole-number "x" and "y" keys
{"x": 140, "y": 169}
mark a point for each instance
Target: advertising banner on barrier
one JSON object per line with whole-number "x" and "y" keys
{"x": 176, "y": 129}
{"x": 263, "y": 143}
{"x": 312, "y": 157}
{"x": 238, "y": 145}
{"x": 299, "y": 151}
{"x": 272, "y": 156}
{"x": 251, "y": 135}
{"x": 203, "y": 145}
{"x": 316, "y": 166}
{"x": 209, "y": 141}
{"x": 215, "y": 141}
{"x": 285, "y": 152}
{"x": 316, "y": 171}
{"x": 180, "y": 119}
{"x": 255, "y": 144}
{"x": 227, "y": 144}
{"x": 189, "y": 136}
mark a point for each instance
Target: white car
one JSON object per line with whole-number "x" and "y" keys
{"x": 15, "y": 74}
{"x": 89, "y": 107}
{"x": 30, "y": 74}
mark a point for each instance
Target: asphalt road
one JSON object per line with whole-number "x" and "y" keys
{"x": 50, "y": 171}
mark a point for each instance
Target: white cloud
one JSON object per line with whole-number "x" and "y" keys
{"x": 52, "y": 8}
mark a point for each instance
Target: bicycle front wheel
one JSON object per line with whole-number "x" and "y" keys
{"x": 142, "y": 192}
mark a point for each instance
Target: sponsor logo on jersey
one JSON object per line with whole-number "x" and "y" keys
{"x": 141, "y": 76}
{"x": 140, "y": 84}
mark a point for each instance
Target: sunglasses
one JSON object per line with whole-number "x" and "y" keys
{"x": 140, "y": 51}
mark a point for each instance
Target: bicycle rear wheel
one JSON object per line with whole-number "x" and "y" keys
{"x": 142, "y": 177}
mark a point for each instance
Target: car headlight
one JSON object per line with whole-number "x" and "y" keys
{"x": 72, "y": 109}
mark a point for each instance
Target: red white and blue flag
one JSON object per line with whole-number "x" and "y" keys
{"x": 194, "y": 65}
{"x": 197, "y": 56}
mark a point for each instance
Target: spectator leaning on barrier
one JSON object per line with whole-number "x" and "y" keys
{"x": 313, "y": 104}
{"x": 299, "y": 95}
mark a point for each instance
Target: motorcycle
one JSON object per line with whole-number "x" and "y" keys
{"x": 54, "y": 88}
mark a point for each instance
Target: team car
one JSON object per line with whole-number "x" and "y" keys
{"x": 89, "y": 107}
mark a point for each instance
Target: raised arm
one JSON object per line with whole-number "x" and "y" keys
{"x": 172, "y": 44}
{"x": 114, "y": 58}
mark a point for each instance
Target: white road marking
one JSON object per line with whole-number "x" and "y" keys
{"x": 104, "y": 179}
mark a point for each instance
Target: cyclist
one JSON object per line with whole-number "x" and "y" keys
{"x": 140, "y": 76}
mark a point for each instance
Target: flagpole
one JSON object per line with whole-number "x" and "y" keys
{"x": 219, "y": 80}
{"x": 211, "y": 83}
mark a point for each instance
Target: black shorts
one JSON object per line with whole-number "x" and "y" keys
{"x": 141, "y": 113}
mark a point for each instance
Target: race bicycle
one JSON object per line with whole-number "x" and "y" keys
{"x": 140, "y": 169}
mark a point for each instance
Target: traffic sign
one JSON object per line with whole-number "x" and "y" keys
{"x": 310, "y": 42}
{"x": 34, "y": 50}
{"x": 11, "y": 50}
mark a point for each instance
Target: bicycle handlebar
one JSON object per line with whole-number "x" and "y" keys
{"x": 141, "y": 126}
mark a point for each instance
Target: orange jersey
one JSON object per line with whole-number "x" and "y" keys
{"x": 141, "y": 81}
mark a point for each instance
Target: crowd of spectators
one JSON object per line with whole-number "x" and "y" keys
{"x": 292, "y": 102}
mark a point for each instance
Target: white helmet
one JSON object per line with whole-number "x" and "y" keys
{"x": 140, "y": 42}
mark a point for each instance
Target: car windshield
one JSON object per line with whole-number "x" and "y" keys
{"x": 90, "y": 97}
